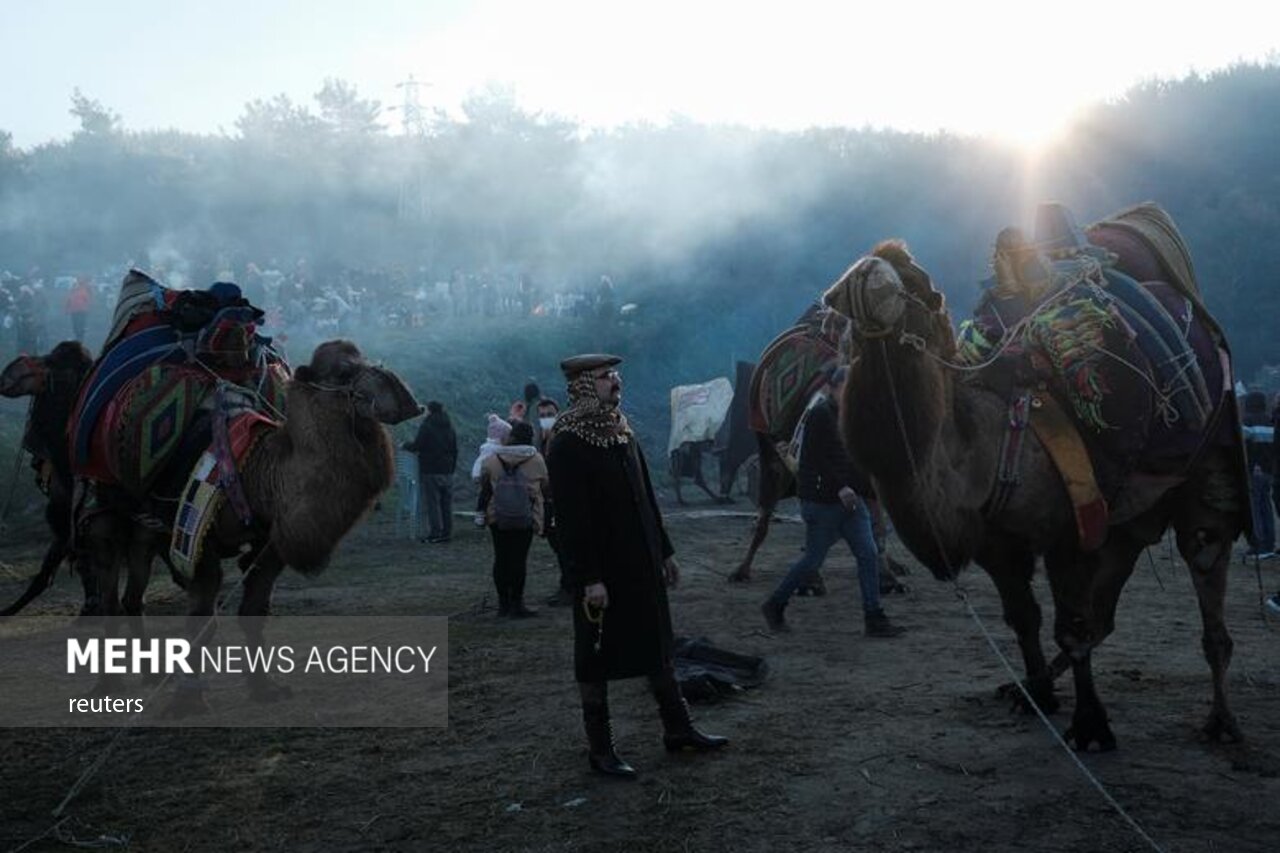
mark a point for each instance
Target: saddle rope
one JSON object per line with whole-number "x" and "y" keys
{"x": 963, "y": 595}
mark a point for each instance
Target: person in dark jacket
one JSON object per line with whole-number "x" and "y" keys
{"x": 621, "y": 560}
{"x": 833, "y": 503}
{"x": 1260, "y": 453}
{"x": 437, "y": 447}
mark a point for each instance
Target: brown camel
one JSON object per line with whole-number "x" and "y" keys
{"x": 930, "y": 437}
{"x": 307, "y": 483}
{"x": 53, "y": 382}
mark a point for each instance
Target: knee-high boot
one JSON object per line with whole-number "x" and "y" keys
{"x": 595, "y": 719}
{"x": 678, "y": 731}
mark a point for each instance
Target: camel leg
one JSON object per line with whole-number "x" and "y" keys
{"x": 135, "y": 588}
{"x": 700, "y": 481}
{"x": 1086, "y": 589}
{"x": 774, "y": 483}
{"x": 759, "y": 532}
{"x": 202, "y": 596}
{"x": 1205, "y": 544}
{"x": 1011, "y": 567}
{"x": 102, "y": 559}
{"x": 255, "y": 606}
{"x": 674, "y": 461}
{"x": 42, "y": 579}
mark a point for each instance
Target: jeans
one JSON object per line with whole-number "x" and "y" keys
{"x": 824, "y": 525}
{"x": 1264, "y": 522}
{"x": 437, "y": 503}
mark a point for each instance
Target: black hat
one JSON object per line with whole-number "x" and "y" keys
{"x": 572, "y": 367}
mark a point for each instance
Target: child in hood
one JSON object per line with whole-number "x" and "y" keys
{"x": 496, "y": 434}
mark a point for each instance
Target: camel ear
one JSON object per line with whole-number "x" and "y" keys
{"x": 304, "y": 373}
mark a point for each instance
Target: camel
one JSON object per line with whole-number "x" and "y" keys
{"x": 306, "y": 484}
{"x": 930, "y": 437}
{"x": 53, "y": 381}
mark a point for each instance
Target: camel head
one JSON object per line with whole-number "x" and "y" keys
{"x": 887, "y": 293}
{"x": 31, "y": 375}
{"x": 376, "y": 392}
{"x": 23, "y": 377}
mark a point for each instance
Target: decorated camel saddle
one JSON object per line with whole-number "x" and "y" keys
{"x": 183, "y": 391}
{"x": 1100, "y": 341}
{"x": 790, "y": 375}
{"x": 176, "y": 365}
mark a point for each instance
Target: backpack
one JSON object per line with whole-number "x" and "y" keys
{"x": 512, "y": 506}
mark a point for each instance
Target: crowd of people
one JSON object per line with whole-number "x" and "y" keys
{"x": 38, "y": 309}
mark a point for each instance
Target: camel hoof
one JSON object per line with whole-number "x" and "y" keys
{"x": 1090, "y": 728}
{"x": 1222, "y": 728}
{"x": 1041, "y": 694}
{"x": 91, "y": 609}
{"x": 740, "y": 576}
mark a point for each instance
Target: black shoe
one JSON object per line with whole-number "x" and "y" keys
{"x": 773, "y": 617}
{"x": 504, "y": 606}
{"x": 692, "y": 740}
{"x": 816, "y": 587}
{"x": 519, "y": 611}
{"x": 878, "y": 625}
{"x": 436, "y": 540}
{"x": 601, "y": 754}
{"x": 609, "y": 764}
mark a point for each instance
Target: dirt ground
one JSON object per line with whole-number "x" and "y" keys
{"x": 851, "y": 744}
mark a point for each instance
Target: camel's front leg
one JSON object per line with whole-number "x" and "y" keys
{"x": 255, "y": 606}
{"x": 206, "y": 582}
{"x": 1086, "y": 588}
{"x": 1011, "y": 566}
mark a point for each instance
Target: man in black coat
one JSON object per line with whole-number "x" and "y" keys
{"x": 620, "y": 558}
{"x": 833, "y": 505}
{"x": 437, "y": 447}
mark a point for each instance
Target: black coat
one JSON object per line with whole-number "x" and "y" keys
{"x": 825, "y": 468}
{"x": 436, "y": 445}
{"x": 611, "y": 532}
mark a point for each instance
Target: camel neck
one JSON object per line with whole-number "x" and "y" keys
{"x": 910, "y": 425}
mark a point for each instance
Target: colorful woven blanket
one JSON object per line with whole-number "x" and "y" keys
{"x": 206, "y": 490}
{"x": 790, "y": 372}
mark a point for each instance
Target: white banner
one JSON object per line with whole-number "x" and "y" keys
{"x": 697, "y": 411}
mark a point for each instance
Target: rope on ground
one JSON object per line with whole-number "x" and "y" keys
{"x": 1154, "y": 570}
{"x": 973, "y": 613}
{"x": 97, "y": 764}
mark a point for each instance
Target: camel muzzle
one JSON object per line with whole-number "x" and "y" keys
{"x": 870, "y": 293}
{"x": 386, "y": 397}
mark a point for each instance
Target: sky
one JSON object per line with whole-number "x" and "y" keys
{"x": 1009, "y": 70}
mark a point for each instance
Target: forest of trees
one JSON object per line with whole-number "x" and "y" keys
{"x": 730, "y": 230}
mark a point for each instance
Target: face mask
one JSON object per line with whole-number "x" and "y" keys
{"x": 546, "y": 423}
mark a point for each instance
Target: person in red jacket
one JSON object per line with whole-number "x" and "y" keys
{"x": 79, "y": 300}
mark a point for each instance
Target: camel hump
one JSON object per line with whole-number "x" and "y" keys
{"x": 1154, "y": 249}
